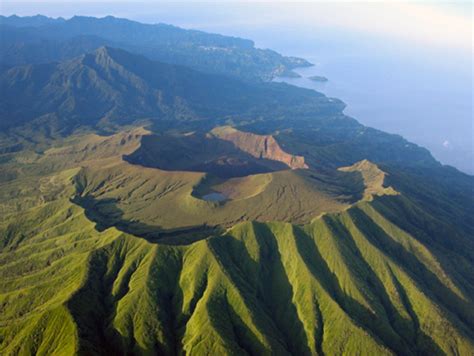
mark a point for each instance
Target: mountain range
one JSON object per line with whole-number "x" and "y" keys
{"x": 40, "y": 40}
{"x": 161, "y": 195}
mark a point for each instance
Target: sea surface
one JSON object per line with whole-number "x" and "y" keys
{"x": 426, "y": 102}
{"x": 417, "y": 90}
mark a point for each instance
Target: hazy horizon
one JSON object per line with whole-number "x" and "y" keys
{"x": 162, "y": 194}
{"x": 419, "y": 53}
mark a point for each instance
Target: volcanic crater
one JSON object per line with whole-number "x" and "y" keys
{"x": 224, "y": 152}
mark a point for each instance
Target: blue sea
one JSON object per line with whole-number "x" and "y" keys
{"x": 421, "y": 92}
{"x": 428, "y": 103}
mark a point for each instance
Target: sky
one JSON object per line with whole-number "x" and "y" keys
{"x": 434, "y": 23}
{"x": 419, "y": 52}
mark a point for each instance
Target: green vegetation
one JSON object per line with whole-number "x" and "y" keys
{"x": 49, "y": 40}
{"x": 326, "y": 237}
{"x": 351, "y": 281}
{"x": 373, "y": 177}
{"x": 121, "y": 88}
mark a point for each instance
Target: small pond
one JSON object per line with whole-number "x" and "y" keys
{"x": 214, "y": 197}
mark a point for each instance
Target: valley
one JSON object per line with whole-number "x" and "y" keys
{"x": 345, "y": 268}
{"x": 164, "y": 197}
{"x": 110, "y": 230}
{"x": 117, "y": 190}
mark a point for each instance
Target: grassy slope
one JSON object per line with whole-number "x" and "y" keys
{"x": 350, "y": 282}
{"x": 149, "y": 199}
{"x": 327, "y": 287}
{"x": 165, "y": 200}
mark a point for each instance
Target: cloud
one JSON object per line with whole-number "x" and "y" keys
{"x": 416, "y": 22}
{"x": 426, "y": 22}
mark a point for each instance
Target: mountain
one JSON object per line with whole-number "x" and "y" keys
{"x": 29, "y": 21}
{"x": 23, "y": 45}
{"x": 111, "y": 87}
{"x": 106, "y": 256}
{"x": 41, "y": 40}
{"x": 152, "y": 208}
{"x": 123, "y": 87}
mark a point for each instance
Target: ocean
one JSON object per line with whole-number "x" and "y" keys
{"x": 424, "y": 97}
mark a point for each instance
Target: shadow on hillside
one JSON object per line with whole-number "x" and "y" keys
{"x": 432, "y": 231}
{"x": 266, "y": 287}
{"x": 105, "y": 213}
{"x": 200, "y": 153}
{"x": 417, "y": 271}
{"x": 95, "y": 307}
{"x": 390, "y": 327}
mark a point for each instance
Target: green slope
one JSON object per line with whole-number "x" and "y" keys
{"x": 327, "y": 237}
{"x": 362, "y": 279}
{"x": 337, "y": 285}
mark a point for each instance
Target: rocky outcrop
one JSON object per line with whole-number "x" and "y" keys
{"x": 259, "y": 146}
{"x": 374, "y": 179}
